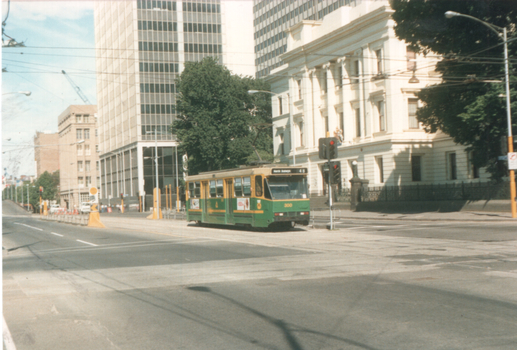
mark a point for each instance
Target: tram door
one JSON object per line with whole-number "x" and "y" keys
{"x": 204, "y": 201}
{"x": 229, "y": 201}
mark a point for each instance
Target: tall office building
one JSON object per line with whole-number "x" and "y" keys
{"x": 272, "y": 19}
{"x": 142, "y": 47}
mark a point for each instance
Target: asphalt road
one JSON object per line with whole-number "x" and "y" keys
{"x": 169, "y": 285}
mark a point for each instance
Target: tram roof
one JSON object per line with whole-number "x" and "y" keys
{"x": 251, "y": 170}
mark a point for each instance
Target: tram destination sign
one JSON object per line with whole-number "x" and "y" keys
{"x": 289, "y": 171}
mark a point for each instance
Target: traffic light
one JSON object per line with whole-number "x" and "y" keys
{"x": 335, "y": 172}
{"x": 41, "y": 189}
{"x": 332, "y": 148}
{"x": 122, "y": 196}
{"x": 328, "y": 147}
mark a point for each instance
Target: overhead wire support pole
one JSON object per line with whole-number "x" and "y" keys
{"x": 501, "y": 33}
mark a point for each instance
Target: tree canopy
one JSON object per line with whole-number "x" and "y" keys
{"x": 218, "y": 120}
{"x": 468, "y": 105}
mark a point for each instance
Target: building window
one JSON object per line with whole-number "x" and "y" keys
{"x": 324, "y": 82}
{"x": 451, "y": 166}
{"x": 411, "y": 59}
{"x": 300, "y": 128}
{"x": 79, "y": 150}
{"x": 86, "y": 118}
{"x": 86, "y": 134}
{"x": 281, "y": 150}
{"x": 355, "y": 71}
{"x": 357, "y": 122}
{"x": 412, "y": 108}
{"x": 88, "y": 181}
{"x": 280, "y": 110}
{"x": 327, "y": 127}
{"x": 80, "y": 181}
{"x": 97, "y": 148}
{"x": 80, "y": 165}
{"x": 78, "y": 118}
{"x": 339, "y": 77}
{"x": 79, "y": 134}
{"x": 96, "y": 132}
{"x": 381, "y": 113}
{"x": 342, "y": 124}
{"x": 473, "y": 170}
{"x": 87, "y": 150}
{"x": 299, "y": 85}
{"x": 87, "y": 165}
{"x": 416, "y": 168}
{"x": 378, "y": 57}
{"x": 380, "y": 169}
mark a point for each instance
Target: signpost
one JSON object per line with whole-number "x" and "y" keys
{"x": 512, "y": 161}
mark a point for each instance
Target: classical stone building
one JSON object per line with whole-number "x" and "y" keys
{"x": 349, "y": 76}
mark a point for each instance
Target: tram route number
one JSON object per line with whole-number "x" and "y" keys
{"x": 288, "y": 205}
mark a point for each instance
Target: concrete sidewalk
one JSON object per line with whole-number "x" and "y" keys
{"x": 343, "y": 214}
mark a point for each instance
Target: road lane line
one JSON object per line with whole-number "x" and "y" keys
{"x": 95, "y": 245}
{"x": 36, "y": 228}
{"x": 6, "y": 335}
{"x": 57, "y": 234}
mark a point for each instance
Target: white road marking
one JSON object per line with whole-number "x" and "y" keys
{"x": 57, "y": 234}
{"x": 95, "y": 245}
{"x": 36, "y": 228}
{"x": 6, "y": 335}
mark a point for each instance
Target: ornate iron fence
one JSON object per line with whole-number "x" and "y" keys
{"x": 433, "y": 192}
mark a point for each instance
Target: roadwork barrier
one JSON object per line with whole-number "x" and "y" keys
{"x": 79, "y": 219}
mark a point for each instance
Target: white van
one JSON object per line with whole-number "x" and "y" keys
{"x": 85, "y": 207}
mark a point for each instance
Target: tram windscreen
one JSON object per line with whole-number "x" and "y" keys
{"x": 287, "y": 187}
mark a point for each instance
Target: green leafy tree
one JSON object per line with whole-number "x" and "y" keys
{"x": 464, "y": 105}
{"x": 217, "y": 119}
{"x": 50, "y": 183}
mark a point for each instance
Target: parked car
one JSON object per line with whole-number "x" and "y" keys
{"x": 54, "y": 209}
{"x": 85, "y": 207}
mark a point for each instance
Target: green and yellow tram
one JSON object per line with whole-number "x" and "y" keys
{"x": 265, "y": 196}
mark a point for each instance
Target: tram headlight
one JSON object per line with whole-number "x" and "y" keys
{"x": 279, "y": 214}
{"x": 304, "y": 213}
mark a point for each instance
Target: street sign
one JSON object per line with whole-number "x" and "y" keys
{"x": 502, "y": 158}
{"x": 512, "y": 161}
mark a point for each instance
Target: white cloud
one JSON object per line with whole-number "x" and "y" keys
{"x": 43, "y": 10}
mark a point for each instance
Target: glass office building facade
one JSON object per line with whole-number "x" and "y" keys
{"x": 141, "y": 49}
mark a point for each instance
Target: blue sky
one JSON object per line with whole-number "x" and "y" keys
{"x": 59, "y": 35}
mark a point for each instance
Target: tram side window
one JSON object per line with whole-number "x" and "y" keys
{"x": 258, "y": 186}
{"x": 238, "y": 187}
{"x": 246, "y": 186}
{"x": 194, "y": 189}
{"x": 220, "y": 191}
{"x": 212, "y": 188}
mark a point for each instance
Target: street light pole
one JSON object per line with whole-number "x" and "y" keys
{"x": 156, "y": 162}
{"x": 498, "y": 30}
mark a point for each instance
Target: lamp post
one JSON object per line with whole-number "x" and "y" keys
{"x": 28, "y": 198}
{"x": 291, "y": 126}
{"x": 501, "y": 33}
{"x": 156, "y": 162}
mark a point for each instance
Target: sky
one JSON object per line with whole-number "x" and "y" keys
{"x": 58, "y": 35}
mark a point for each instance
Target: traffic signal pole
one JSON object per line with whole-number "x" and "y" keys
{"x": 330, "y": 197}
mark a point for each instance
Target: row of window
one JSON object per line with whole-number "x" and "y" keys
{"x": 152, "y": 5}
{"x": 82, "y": 118}
{"x": 270, "y": 41}
{"x": 241, "y": 187}
{"x": 158, "y": 88}
{"x": 201, "y": 28}
{"x": 203, "y": 48}
{"x": 201, "y": 7}
{"x": 159, "y": 67}
{"x": 271, "y": 55}
{"x": 157, "y": 109}
{"x": 81, "y": 182}
{"x": 83, "y": 134}
{"x": 87, "y": 151}
{"x": 157, "y": 46}
{"x": 86, "y": 166}
{"x": 158, "y": 26}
